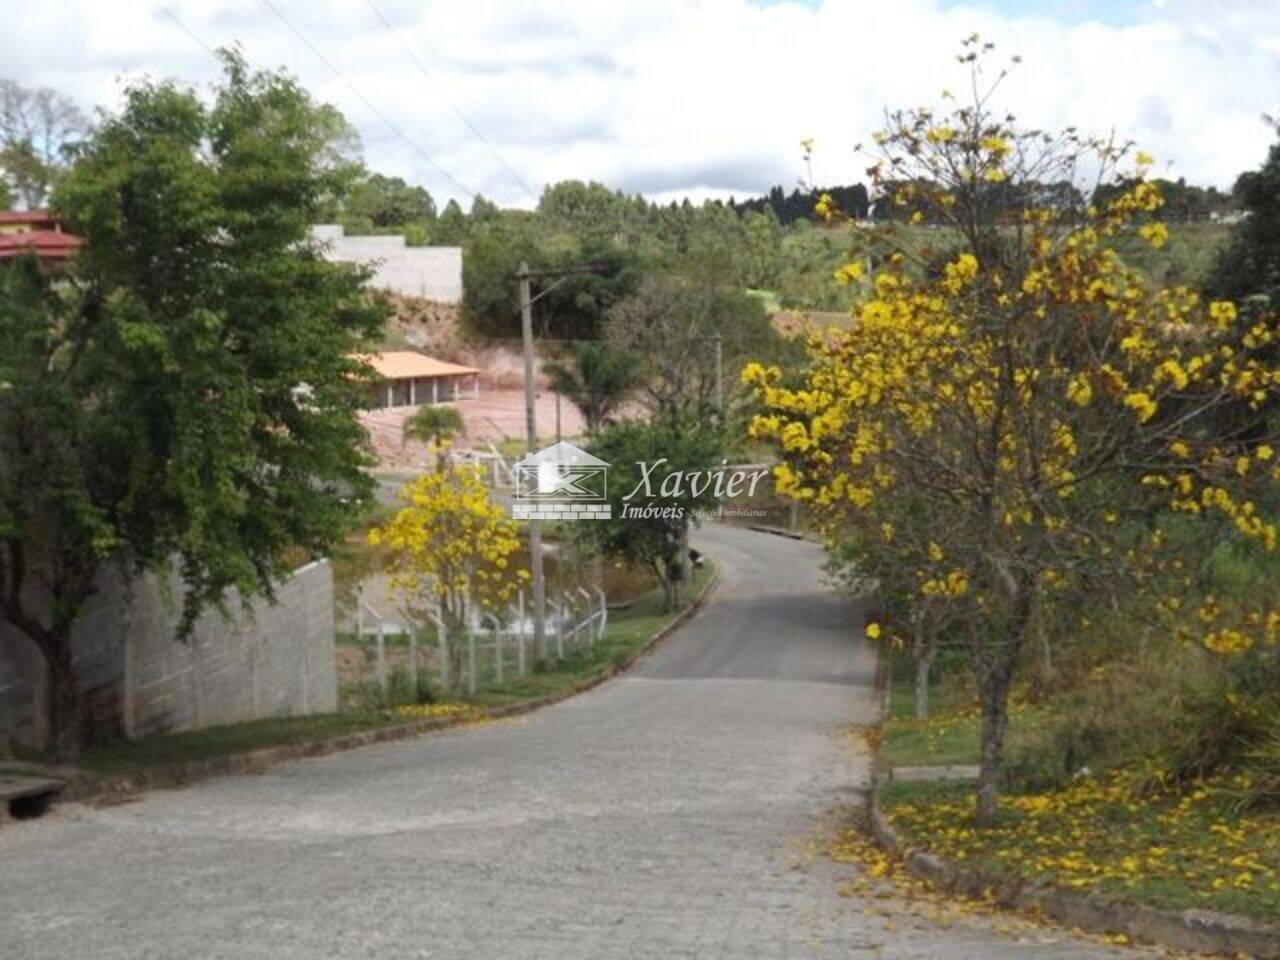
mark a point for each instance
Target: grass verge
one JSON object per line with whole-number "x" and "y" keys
{"x": 1172, "y": 848}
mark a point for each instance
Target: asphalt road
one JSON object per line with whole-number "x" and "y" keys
{"x": 672, "y": 813}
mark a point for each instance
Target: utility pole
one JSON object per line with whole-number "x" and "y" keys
{"x": 531, "y": 427}
{"x": 531, "y": 434}
{"x": 720, "y": 376}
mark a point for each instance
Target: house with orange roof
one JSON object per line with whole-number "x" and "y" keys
{"x": 407, "y": 378}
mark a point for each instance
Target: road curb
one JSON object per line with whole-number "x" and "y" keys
{"x": 94, "y": 787}
{"x": 1202, "y": 931}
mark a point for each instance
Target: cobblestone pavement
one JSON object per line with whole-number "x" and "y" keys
{"x": 673, "y": 813}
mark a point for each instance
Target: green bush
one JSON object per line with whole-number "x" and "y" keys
{"x": 1262, "y": 760}
{"x": 1218, "y": 731}
{"x": 1180, "y": 716}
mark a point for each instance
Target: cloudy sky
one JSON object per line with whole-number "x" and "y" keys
{"x": 683, "y": 97}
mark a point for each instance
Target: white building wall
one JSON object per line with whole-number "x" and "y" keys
{"x": 433, "y": 273}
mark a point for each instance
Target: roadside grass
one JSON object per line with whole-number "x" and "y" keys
{"x": 1117, "y": 832}
{"x": 949, "y": 735}
{"x": 120, "y": 756}
{"x": 627, "y": 632}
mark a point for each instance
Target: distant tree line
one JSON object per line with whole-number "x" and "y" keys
{"x": 852, "y": 199}
{"x": 1183, "y": 201}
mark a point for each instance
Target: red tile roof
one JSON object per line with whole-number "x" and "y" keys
{"x": 27, "y": 216}
{"x": 45, "y": 244}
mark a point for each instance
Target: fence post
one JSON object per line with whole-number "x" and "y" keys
{"x": 446, "y": 665}
{"x": 521, "y": 652}
{"x": 589, "y": 617}
{"x": 496, "y": 630}
{"x": 442, "y": 641}
{"x": 521, "y": 656}
{"x": 497, "y": 649}
{"x": 604, "y": 613}
{"x": 471, "y": 661}
{"x": 413, "y": 661}
{"x": 577, "y": 624}
{"x": 559, "y": 629}
{"x": 382, "y": 656}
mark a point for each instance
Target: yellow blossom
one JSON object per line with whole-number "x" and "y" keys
{"x": 1157, "y": 234}
{"x": 1141, "y": 404}
{"x": 848, "y": 274}
{"x": 1079, "y": 390}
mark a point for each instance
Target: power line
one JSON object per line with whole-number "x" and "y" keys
{"x": 372, "y": 107}
{"x": 453, "y": 106}
{"x": 168, "y": 12}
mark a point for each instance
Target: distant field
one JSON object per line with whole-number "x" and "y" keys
{"x": 770, "y": 299}
{"x": 813, "y": 254}
{"x": 1187, "y": 258}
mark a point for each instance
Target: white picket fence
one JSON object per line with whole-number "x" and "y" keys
{"x": 495, "y": 469}
{"x": 497, "y": 648}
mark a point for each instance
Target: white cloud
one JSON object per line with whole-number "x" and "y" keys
{"x": 674, "y": 96}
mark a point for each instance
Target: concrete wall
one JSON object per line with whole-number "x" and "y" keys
{"x": 433, "y": 273}
{"x": 136, "y": 678}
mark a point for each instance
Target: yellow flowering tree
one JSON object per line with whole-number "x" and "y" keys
{"x": 449, "y": 550}
{"x": 1015, "y": 413}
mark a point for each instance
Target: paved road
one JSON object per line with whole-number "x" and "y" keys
{"x": 663, "y": 815}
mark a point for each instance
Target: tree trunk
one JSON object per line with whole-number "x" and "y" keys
{"x": 995, "y": 678}
{"x": 682, "y": 560}
{"x": 995, "y": 720}
{"x": 923, "y": 665}
{"x": 1046, "y": 652}
{"x": 66, "y": 711}
{"x": 924, "y": 649}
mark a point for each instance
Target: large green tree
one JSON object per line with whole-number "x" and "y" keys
{"x": 676, "y": 322}
{"x": 593, "y": 212}
{"x": 187, "y": 401}
{"x": 382, "y": 202}
{"x": 657, "y": 480}
{"x": 596, "y": 379}
{"x": 1249, "y": 265}
{"x": 572, "y": 309}
{"x": 451, "y": 227}
{"x": 434, "y": 425}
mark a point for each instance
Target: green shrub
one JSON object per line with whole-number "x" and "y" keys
{"x": 1178, "y": 718}
{"x": 1262, "y": 761}
{"x": 1217, "y": 731}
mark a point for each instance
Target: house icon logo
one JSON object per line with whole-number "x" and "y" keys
{"x": 561, "y": 482}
